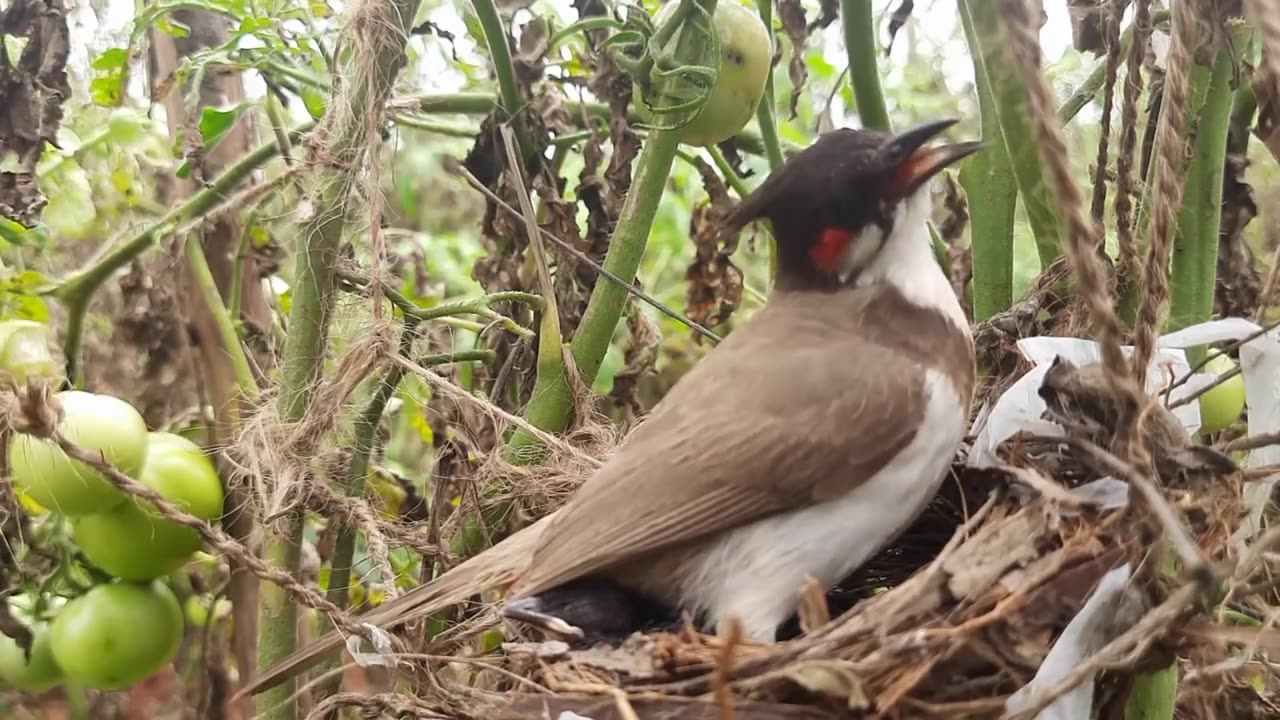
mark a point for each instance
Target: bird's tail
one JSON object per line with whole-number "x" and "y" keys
{"x": 496, "y": 568}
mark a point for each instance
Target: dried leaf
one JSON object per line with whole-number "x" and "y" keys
{"x": 715, "y": 283}
{"x": 791, "y": 12}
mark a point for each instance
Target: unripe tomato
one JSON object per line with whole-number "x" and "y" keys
{"x": 97, "y": 423}
{"x": 1222, "y": 405}
{"x": 41, "y": 673}
{"x": 118, "y": 634}
{"x": 24, "y": 351}
{"x": 745, "y": 58}
{"x": 133, "y": 541}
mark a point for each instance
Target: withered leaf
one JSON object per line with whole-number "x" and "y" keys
{"x": 714, "y": 282}
{"x": 791, "y": 12}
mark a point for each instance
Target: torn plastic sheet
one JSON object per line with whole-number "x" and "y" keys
{"x": 1260, "y": 367}
{"x": 1093, "y": 627}
{"x": 381, "y": 654}
{"x": 1020, "y": 408}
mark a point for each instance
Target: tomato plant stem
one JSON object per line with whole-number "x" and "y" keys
{"x": 76, "y": 291}
{"x": 1009, "y": 101}
{"x": 231, "y": 344}
{"x": 1193, "y": 273}
{"x": 864, "y": 74}
{"x": 551, "y": 410}
{"x": 1208, "y": 114}
{"x": 364, "y": 438}
{"x": 347, "y": 137}
{"x": 989, "y": 184}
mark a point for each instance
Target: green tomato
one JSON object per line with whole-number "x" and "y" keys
{"x": 1222, "y": 405}
{"x": 197, "y": 610}
{"x": 24, "y": 351}
{"x": 118, "y": 634}
{"x": 38, "y": 674}
{"x": 745, "y": 58}
{"x": 97, "y": 423}
{"x": 133, "y": 541}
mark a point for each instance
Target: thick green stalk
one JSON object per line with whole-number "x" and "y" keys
{"x": 1193, "y": 273}
{"x": 1009, "y": 97}
{"x": 988, "y": 182}
{"x": 1202, "y": 80}
{"x": 346, "y": 139}
{"x": 864, "y": 74}
{"x": 551, "y": 410}
{"x": 199, "y": 265}
{"x": 1154, "y": 695}
{"x": 76, "y": 291}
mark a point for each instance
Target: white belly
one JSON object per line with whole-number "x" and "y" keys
{"x": 772, "y": 557}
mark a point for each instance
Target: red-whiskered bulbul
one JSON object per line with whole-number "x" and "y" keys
{"x": 799, "y": 447}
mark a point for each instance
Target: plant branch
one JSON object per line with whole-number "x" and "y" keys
{"x": 989, "y": 184}
{"x": 76, "y": 291}
{"x": 199, "y": 265}
{"x": 349, "y": 132}
{"x": 864, "y": 73}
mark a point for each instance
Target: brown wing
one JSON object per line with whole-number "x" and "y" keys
{"x": 793, "y": 408}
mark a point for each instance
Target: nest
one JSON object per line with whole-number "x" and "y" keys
{"x": 952, "y": 620}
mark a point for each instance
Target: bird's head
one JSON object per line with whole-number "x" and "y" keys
{"x": 838, "y": 203}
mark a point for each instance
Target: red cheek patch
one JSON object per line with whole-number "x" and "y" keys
{"x": 831, "y": 244}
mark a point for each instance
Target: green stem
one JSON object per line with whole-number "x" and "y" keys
{"x": 1202, "y": 195}
{"x": 412, "y": 120}
{"x": 864, "y": 74}
{"x": 346, "y": 138}
{"x": 1154, "y": 695}
{"x": 730, "y": 175}
{"x": 364, "y": 437}
{"x": 495, "y": 36}
{"x": 1089, "y": 89}
{"x": 551, "y": 411}
{"x": 199, "y": 265}
{"x": 1009, "y": 94}
{"x": 484, "y": 103}
{"x": 237, "y": 269}
{"x": 989, "y": 184}
{"x": 1193, "y": 273}
{"x": 76, "y": 291}
{"x": 768, "y": 123}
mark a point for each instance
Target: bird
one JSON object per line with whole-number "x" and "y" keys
{"x": 807, "y": 440}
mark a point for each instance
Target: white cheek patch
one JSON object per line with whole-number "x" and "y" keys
{"x": 860, "y": 251}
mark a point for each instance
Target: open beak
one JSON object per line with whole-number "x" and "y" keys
{"x": 921, "y": 164}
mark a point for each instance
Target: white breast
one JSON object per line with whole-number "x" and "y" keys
{"x": 772, "y": 557}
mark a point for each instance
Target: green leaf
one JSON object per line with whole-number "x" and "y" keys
{"x": 107, "y": 86}
{"x": 70, "y": 211}
{"x": 316, "y": 102}
{"x": 418, "y": 421}
{"x": 169, "y": 26}
{"x": 215, "y": 123}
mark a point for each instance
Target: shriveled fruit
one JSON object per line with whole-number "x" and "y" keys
{"x": 745, "y": 56}
{"x": 133, "y": 541}
{"x": 96, "y": 423}
{"x": 118, "y": 634}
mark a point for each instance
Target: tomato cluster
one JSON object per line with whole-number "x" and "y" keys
{"x": 95, "y": 640}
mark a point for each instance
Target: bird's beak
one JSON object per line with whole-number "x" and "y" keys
{"x": 921, "y": 164}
